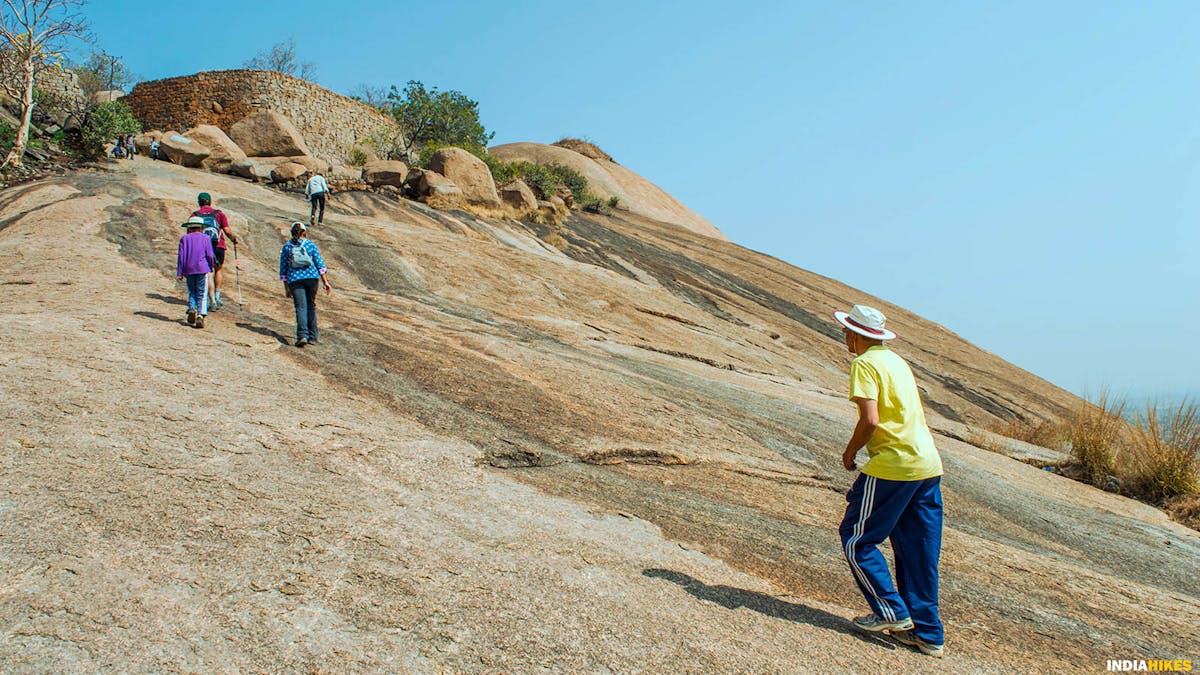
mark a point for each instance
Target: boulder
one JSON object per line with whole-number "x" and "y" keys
{"x": 344, "y": 172}
{"x": 107, "y": 96}
{"x": 313, "y": 164}
{"x": 144, "y": 139}
{"x": 258, "y": 168}
{"x": 426, "y": 183}
{"x": 518, "y": 195}
{"x": 469, "y": 173}
{"x": 288, "y": 171}
{"x": 385, "y": 172}
{"x": 182, "y": 150}
{"x": 266, "y": 133}
{"x": 224, "y": 153}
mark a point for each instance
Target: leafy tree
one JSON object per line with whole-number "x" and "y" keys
{"x": 432, "y": 117}
{"x": 102, "y": 72}
{"x": 32, "y": 33}
{"x": 102, "y": 122}
{"x": 281, "y": 58}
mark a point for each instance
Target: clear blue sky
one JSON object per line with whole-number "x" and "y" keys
{"x": 1025, "y": 173}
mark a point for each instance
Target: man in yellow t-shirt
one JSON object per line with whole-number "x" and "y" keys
{"x": 898, "y": 493}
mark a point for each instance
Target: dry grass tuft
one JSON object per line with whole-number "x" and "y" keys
{"x": 1095, "y": 432}
{"x": 584, "y": 148}
{"x": 1185, "y": 511}
{"x": 1162, "y": 461}
{"x": 1047, "y": 433}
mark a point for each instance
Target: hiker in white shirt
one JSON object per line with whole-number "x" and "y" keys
{"x": 317, "y": 191}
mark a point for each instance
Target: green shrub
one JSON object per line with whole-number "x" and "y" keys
{"x": 544, "y": 179}
{"x": 614, "y": 201}
{"x": 8, "y": 135}
{"x": 103, "y": 122}
{"x": 358, "y": 157}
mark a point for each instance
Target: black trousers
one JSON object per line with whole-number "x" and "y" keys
{"x": 318, "y": 200}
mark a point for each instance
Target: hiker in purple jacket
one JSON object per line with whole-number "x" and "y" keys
{"x": 196, "y": 260}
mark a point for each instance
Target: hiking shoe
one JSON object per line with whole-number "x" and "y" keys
{"x": 301, "y": 342}
{"x": 200, "y": 321}
{"x": 906, "y": 637}
{"x": 191, "y": 316}
{"x": 874, "y": 624}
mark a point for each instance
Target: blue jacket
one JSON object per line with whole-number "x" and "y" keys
{"x": 288, "y": 274}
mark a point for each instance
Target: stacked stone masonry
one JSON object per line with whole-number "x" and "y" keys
{"x": 331, "y": 123}
{"x": 61, "y": 83}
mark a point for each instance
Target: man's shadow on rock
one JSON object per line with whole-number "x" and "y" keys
{"x": 732, "y": 598}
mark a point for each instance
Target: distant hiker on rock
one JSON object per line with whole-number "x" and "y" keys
{"x": 195, "y": 261}
{"x": 898, "y": 495}
{"x": 154, "y": 148}
{"x": 317, "y": 191}
{"x": 217, "y": 228}
{"x": 130, "y": 148}
{"x": 300, "y": 266}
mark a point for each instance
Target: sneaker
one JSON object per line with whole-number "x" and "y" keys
{"x": 874, "y": 624}
{"x": 906, "y": 637}
{"x": 200, "y": 321}
{"x": 301, "y": 342}
{"x": 214, "y": 304}
{"x": 191, "y": 316}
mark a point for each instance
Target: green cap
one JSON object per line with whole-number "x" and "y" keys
{"x": 204, "y": 198}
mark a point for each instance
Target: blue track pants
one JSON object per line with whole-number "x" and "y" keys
{"x": 910, "y": 514}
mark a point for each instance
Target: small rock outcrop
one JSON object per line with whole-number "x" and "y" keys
{"x": 518, "y": 195}
{"x": 223, "y": 152}
{"x": 385, "y": 172}
{"x": 184, "y": 151}
{"x": 144, "y": 139}
{"x": 288, "y": 171}
{"x": 427, "y": 184}
{"x": 469, "y": 173}
{"x": 268, "y": 134}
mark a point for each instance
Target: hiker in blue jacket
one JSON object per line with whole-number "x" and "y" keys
{"x": 300, "y": 268}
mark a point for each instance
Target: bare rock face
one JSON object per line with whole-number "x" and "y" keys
{"x": 518, "y": 195}
{"x": 224, "y": 153}
{"x": 385, "y": 172}
{"x": 288, "y": 171}
{"x": 144, "y": 140}
{"x": 107, "y": 96}
{"x": 183, "y": 151}
{"x": 266, "y": 133}
{"x": 608, "y": 179}
{"x": 469, "y": 173}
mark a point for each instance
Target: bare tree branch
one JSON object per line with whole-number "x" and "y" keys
{"x": 24, "y": 50}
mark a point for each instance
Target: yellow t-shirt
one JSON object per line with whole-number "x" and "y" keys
{"x": 901, "y": 447}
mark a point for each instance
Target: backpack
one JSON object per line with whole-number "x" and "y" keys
{"x": 211, "y": 227}
{"x": 300, "y": 256}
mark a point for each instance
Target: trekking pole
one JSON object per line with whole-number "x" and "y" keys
{"x": 237, "y": 275}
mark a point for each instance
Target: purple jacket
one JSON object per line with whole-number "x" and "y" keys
{"x": 195, "y": 255}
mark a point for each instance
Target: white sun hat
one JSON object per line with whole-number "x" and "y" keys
{"x": 866, "y": 321}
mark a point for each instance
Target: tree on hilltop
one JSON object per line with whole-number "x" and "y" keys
{"x": 281, "y": 58}
{"x": 103, "y": 72}
{"x": 437, "y": 118}
{"x": 32, "y": 33}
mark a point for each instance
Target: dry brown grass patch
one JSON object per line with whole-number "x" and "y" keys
{"x": 1046, "y": 433}
{"x": 1163, "y": 457}
{"x": 1185, "y": 511}
{"x": 584, "y": 148}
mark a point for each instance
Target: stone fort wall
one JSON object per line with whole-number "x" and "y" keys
{"x": 331, "y": 123}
